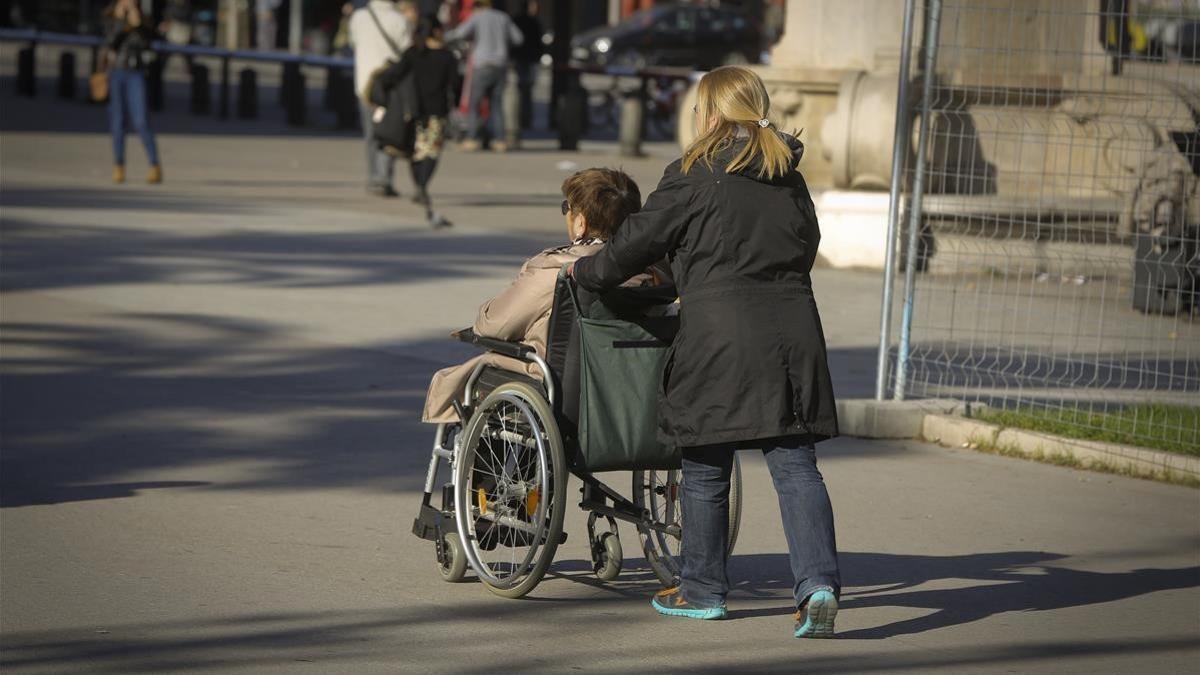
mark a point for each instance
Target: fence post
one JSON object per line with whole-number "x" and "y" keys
{"x": 900, "y": 145}
{"x": 247, "y": 103}
{"x": 929, "y": 74}
{"x": 66, "y": 75}
{"x": 26, "y": 71}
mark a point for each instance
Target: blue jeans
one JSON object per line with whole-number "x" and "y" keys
{"x": 486, "y": 82}
{"x": 127, "y": 100}
{"x": 380, "y": 165}
{"x": 803, "y": 503}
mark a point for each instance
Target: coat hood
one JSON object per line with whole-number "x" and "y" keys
{"x": 753, "y": 170}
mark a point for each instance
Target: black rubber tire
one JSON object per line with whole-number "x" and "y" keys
{"x": 662, "y": 563}
{"x": 735, "y": 505}
{"x": 613, "y": 557}
{"x": 556, "y": 458}
{"x": 455, "y": 567}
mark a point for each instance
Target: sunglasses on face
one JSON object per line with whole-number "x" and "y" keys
{"x": 566, "y": 208}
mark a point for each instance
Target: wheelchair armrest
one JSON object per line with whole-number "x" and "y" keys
{"x": 517, "y": 350}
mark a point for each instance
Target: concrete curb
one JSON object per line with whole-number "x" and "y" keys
{"x": 954, "y": 431}
{"x": 868, "y": 418}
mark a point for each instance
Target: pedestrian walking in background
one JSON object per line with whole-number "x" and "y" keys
{"x": 126, "y": 42}
{"x": 379, "y": 32}
{"x": 177, "y": 22}
{"x": 267, "y": 28}
{"x": 435, "y": 71}
{"x": 492, "y": 32}
{"x": 748, "y": 368}
{"x": 527, "y": 56}
{"x": 341, "y": 37}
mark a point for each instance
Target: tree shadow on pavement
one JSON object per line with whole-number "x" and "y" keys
{"x": 84, "y": 493}
{"x": 90, "y": 405}
{"x": 1014, "y": 581}
{"x": 96, "y": 255}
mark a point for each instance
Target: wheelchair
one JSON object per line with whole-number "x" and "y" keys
{"x": 509, "y": 458}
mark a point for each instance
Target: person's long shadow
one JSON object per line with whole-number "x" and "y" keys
{"x": 1012, "y": 581}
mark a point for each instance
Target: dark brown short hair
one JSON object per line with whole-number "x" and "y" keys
{"x": 605, "y": 197}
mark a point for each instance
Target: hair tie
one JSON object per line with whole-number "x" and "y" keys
{"x": 764, "y": 123}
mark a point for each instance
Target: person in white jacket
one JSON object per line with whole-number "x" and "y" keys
{"x": 379, "y": 32}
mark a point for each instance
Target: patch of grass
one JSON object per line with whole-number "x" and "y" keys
{"x": 1161, "y": 427}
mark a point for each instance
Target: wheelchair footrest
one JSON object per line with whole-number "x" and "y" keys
{"x": 429, "y": 522}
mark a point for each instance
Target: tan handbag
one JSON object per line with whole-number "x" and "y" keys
{"x": 98, "y": 86}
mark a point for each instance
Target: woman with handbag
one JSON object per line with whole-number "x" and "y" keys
{"x": 434, "y": 70}
{"x": 127, "y": 42}
{"x": 748, "y": 368}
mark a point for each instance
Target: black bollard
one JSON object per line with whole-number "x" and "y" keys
{"x": 632, "y": 126}
{"x": 223, "y": 107}
{"x": 572, "y": 111}
{"x": 291, "y": 70}
{"x": 26, "y": 77}
{"x": 201, "y": 95}
{"x": 247, "y": 103}
{"x": 66, "y": 75}
{"x": 154, "y": 82}
{"x": 345, "y": 103}
{"x": 296, "y": 99}
{"x": 329, "y": 100}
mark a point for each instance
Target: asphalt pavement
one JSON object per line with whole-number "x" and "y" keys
{"x": 211, "y": 455}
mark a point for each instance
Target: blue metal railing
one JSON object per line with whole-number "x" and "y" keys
{"x": 339, "y": 95}
{"x": 34, "y": 36}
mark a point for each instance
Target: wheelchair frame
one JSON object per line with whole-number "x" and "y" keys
{"x": 438, "y": 523}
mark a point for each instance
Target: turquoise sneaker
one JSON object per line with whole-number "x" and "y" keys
{"x": 815, "y": 618}
{"x": 671, "y": 603}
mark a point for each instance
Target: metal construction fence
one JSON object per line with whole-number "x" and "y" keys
{"x": 1046, "y": 219}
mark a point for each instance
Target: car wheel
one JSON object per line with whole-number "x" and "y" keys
{"x": 631, "y": 59}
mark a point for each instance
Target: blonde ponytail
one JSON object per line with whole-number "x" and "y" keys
{"x": 732, "y": 98}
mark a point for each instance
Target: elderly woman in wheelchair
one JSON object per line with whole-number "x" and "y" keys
{"x": 566, "y": 384}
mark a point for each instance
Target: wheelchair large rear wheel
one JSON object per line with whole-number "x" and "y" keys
{"x": 658, "y": 492}
{"x": 510, "y": 481}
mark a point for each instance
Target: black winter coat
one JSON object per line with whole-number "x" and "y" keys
{"x": 749, "y": 361}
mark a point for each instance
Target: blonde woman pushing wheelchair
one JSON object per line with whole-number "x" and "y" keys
{"x": 748, "y": 368}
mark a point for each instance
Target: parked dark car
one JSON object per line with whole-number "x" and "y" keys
{"x": 673, "y": 35}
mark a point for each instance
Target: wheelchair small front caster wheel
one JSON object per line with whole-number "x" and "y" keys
{"x": 453, "y": 565}
{"x": 607, "y": 556}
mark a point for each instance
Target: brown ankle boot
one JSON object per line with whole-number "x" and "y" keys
{"x": 154, "y": 176}
{"x": 118, "y": 173}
